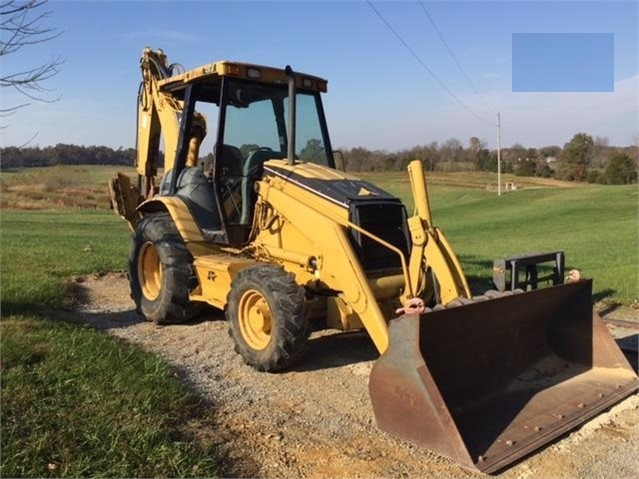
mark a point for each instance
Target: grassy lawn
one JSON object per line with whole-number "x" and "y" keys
{"x": 596, "y": 227}
{"x": 77, "y": 403}
{"x": 41, "y": 250}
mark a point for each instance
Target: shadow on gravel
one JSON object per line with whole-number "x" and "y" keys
{"x": 335, "y": 350}
{"x": 113, "y": 320}
{"x": 102, "y": 321}
{"x": 122, "y": 319}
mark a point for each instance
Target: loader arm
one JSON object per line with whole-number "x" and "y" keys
{"x": 301, "y": 213}
{"x": 431, "y": 251}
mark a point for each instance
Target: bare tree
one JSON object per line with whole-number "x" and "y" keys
{"x": 601, "y": 152}
{"x": 475, "y": 147}
{"x": 451, "y": 150}
{"x": 23, "y": 24}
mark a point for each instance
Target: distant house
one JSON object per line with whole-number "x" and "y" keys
{"x": 550, "y": 159}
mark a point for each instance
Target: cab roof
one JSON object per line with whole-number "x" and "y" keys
{"x": 211, "y": 72}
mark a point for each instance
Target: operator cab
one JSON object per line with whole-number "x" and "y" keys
{"x": 252, "y": 129}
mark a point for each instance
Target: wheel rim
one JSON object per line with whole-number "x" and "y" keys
{"x": 150, "y": 271}
{"x": 255, "y": 319}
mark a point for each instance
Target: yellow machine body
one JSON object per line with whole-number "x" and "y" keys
{"x": 482, "y": 382}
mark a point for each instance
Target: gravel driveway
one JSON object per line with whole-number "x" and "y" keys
{"x": 316, "y": 420}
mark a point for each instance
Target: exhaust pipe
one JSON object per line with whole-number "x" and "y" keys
{"x": 291, "y": 114}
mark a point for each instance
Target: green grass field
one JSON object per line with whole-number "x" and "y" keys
{"x": 63, "y": 384}
{"x": 75, "y": 402}
{"x": 596, "y": 227}
{"x": 78, "y": 403}
{"x": 41, "y": 250}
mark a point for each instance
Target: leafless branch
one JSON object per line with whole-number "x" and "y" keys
{"x": 21, "y": 25}
{"x": 5, "y": 112}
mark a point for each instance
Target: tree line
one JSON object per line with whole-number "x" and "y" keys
{"x": 581, "y": 159}
{"x": 65, "y": 154}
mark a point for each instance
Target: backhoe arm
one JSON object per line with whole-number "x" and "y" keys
{"x": 158, "y": 114}
{"x": 158, "y": 118}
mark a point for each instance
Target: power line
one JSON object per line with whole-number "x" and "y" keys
{"x": 421, "y": 62}
{"x": 450, "y": 52}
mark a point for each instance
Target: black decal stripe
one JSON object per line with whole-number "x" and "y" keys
{"x": 341, "y": 192}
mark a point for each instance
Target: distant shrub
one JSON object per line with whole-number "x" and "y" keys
{"x": 594, "y": 176}
{"x": 545, "y": 171}
{"x": 621, "y": 170}
{"x": 526, "y": 168}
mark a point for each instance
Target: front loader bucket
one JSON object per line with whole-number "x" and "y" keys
{"x": 489, "y": 382}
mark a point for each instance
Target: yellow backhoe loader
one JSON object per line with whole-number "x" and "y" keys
{"x": 279, "y": 238}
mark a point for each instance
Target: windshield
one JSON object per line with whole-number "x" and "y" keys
{"x": 257, "y": 115}
{"x": 253, "y": 130}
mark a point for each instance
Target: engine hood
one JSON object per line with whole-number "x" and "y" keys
{"x": 335, "y": 186}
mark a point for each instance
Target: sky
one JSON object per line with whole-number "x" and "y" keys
{"x": 392, "y": 82}
{"x": 580, "y": 62}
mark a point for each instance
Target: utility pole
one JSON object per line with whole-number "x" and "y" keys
{"x": 498, "y": 155}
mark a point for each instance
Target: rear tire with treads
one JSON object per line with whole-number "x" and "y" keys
{"x": 161, "y": 273}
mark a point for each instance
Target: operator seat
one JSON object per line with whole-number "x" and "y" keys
{"x": 228, "y": 178}
{"x": 199, "y": 193}
{"x": 194, "y": 188}
{"x": 253, "y": 170}
{"x": 231, "y": 161}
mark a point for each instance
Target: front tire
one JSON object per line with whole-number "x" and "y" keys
{"x": 267, "y": 317}
{"x": 160, "y": 272}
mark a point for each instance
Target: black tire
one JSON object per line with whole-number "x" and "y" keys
{"x": 161, "y": 273}
{"x": 267, "y": 317}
